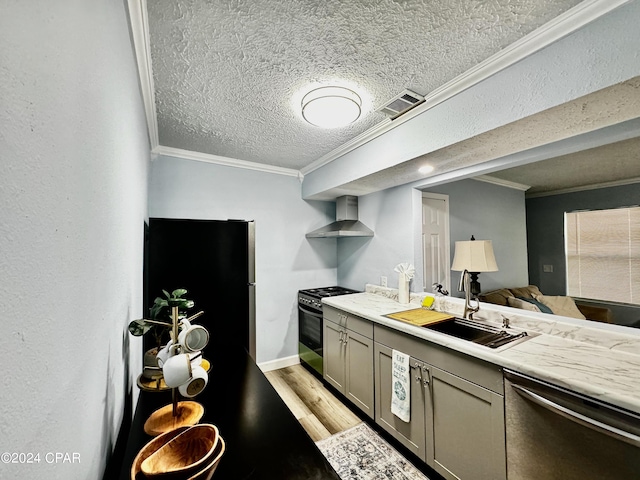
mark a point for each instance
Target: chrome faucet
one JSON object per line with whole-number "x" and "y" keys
{"x": 465, "y": 286}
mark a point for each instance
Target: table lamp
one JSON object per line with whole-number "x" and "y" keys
{"x": 471, "y": 258}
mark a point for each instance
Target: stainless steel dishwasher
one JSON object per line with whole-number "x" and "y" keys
{"x": 552, "y": 433}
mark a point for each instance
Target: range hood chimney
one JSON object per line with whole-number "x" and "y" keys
{"x": 346, "y": 224}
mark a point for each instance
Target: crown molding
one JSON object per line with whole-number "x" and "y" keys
{"x": 226, "y": 161}
{"x": 595, "y": 186}
{"x": 554, "y": 30}
{"x": 139, "y": 22}
{"x": 501, "y": 182}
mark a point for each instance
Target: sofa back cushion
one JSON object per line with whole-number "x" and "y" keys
{"x": 561, "y": 305}
{"x": 539, "y": 305}
{"x": 498, "y": 297}
{"x": 526, "y": 292}
{"x": 522, "y": 304}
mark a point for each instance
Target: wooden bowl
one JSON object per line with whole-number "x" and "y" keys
{"x": 207, "y": 472}
{"x": 162, "y": 420}
{"x": 184, "y": 454}
{"x": 150, "y": 448}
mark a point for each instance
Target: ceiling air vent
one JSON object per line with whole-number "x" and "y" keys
{"x": 401, "y": 104}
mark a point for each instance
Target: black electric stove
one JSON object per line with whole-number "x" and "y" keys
{"x": 310, "y": 324}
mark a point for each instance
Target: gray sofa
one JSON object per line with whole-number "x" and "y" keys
{"x": 508, "y": 296}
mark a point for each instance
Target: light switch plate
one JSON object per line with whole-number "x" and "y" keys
{"x": 383, "y": 281}
{"x": 547, "y": 268}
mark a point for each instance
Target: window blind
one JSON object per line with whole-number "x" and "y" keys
{"x": 602, "y": 250}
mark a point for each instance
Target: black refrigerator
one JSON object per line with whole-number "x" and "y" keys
{"x": 214, "y": 261}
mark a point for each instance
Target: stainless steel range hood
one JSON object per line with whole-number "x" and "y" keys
{"x": 346, "y": 224}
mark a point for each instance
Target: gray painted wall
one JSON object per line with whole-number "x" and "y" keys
{"x": 391, "y": 215}
{"x": 74, "y": 155}
{"x": 545, "y": 227}
{"x": 489, "y": 212}
{"x": 285, "y": 260}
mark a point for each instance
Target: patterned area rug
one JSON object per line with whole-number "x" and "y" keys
{"x": 361, "y": 454}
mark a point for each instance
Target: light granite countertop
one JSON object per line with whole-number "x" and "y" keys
{"x": 602, "y": 361}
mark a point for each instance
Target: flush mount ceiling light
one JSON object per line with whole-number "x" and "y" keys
{"x": 331, "y": 107}
{"x": 425, "y": 169}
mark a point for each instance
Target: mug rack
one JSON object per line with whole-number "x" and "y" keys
{"x": 178, "y": 413}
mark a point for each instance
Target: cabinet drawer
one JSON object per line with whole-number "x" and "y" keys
{"x": 336, "y": 316}
{"x": 484, "y": 374}
{"x": 360, "y": 325}
{"x": 344, "y": 319}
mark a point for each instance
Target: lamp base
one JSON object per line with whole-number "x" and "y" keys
{"x": 163, "y": 420}
{"x": 474, "y": 284}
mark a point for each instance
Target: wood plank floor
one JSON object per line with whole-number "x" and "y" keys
{"x": 319, "y": 412}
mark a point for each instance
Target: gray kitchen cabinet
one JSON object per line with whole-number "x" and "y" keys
{"x": 467, "y": 438}
{"x": 411, "y": 434}
{"x": 333, "y": 355}
{"x": 359, "y": 371}
{"x": 348, "y": 357}
{"x": 462, "y": 403}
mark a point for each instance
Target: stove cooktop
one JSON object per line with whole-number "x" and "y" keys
{"x": 328, "y": 292}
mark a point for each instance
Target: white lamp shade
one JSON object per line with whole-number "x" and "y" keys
{"x": 474, "y": 256}
{"x": 331, "y": 107}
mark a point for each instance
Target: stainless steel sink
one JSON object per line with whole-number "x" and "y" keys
{"x": 476, "y": 332}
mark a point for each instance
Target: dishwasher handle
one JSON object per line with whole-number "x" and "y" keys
{"x": 578, "y": 418}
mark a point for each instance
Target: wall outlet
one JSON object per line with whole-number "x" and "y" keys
{"x": 547, "y": 268}
{"x": 383, "y": 281}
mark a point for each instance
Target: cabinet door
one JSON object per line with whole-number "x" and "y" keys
{"x": 359, "y": 371}
{"x": 333, "y": 355}
{"x": 467, "y": 438}
{"x": 411, "y": 434}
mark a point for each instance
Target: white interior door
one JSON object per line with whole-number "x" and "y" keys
{"x": 435, "y": 240}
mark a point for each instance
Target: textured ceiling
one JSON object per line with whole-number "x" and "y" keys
{"x": 229, "y": 75}
{"x": 617, "y": 162}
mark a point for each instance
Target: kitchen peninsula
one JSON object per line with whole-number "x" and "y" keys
{"x": 603, "y": 363}
{"x": 561, "y": 402}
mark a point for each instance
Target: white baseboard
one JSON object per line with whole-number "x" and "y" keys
{"x": 279, "y": 363}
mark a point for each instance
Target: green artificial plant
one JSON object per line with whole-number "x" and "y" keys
{"x": 160, "y": 313}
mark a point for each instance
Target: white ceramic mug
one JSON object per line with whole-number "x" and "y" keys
{"x": 164, "y": 353}
{"x": 194, "y": 338}
{"x": 177, "y": 370}
{"x": 196, "y": 358}
{"x": 197, "y": 382}
{"x": 183, "y": 325}
{"x": 167, "y": 352}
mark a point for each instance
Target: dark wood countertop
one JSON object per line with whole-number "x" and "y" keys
{"x": 264, "y": 440}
